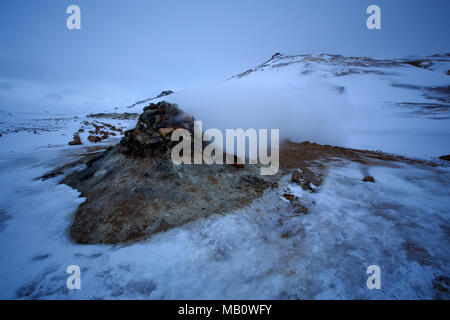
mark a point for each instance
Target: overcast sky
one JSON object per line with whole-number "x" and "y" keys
{"x": 129, "y": 50}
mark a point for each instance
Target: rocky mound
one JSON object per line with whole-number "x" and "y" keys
{"x": 134, "y": 190}
{"x": 153, "y": 130}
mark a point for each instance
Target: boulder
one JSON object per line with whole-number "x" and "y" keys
{"x": 76, "y": 140}
{"x": 152, "y": 133}
{"x": 288, "y": 196}
{"x": 296, "y": 176}
{"x": 368, "y": 179}
{"x": 135, "y": 190}
{"x": 92, "y": 138}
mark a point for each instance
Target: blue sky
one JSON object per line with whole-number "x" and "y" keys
{"x": 128, "y": 50}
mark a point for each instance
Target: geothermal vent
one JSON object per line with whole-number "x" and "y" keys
{"x": 135, "y": 190}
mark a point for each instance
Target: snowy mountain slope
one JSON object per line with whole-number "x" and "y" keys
{"x": 266, "y": 250}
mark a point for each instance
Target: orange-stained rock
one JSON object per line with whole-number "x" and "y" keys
{"x": 165, "y": 131}
{"x": 94, "y": 138}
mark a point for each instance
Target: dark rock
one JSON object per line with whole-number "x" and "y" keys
{"x": 424, "y": 64}
{"x": 296, "y": 176}
{"x": 299, "y": 207}
{"x": 305, "y": 178}
{"x": 120, "y": 116}
{"x": 149, "y": 111}
{"x": 165, "y": 93}
{"x": 368, "y": 179}
{"x": 76, "y": 140}
{"x": 153, "y": 130}
{"x": 92, "y": 138}
{"x": 236, "y": 163}
{"x": 446, "y": 157}
{"x": 441, "y": 283}
{"x": 135, "y": 190}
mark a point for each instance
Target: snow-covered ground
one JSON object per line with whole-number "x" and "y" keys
{"x": 400, "y": 223}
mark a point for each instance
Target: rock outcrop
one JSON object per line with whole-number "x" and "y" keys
{"x": 135, "y": 190}
{"x": 153, "y": 130}
{"x": 368, "y": 179}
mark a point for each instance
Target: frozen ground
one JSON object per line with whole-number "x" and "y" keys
{"x": 400, "y": 222}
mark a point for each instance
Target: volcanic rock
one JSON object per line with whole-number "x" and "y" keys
{"x": 76, "y": 140}
{"x": 135, "y": 190}
{"x": 296, "y": 176}
{"x": 288, "y": 196}
{"x": 92, "y": 138}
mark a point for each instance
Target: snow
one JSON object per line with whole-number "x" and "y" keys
{"x": 264, "y": 251}
{"x": 243, "y": 254}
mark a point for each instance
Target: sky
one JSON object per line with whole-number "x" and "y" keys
{"x": 130, "y": 50}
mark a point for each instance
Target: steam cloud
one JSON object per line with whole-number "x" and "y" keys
{"x": 313, "y": 111}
